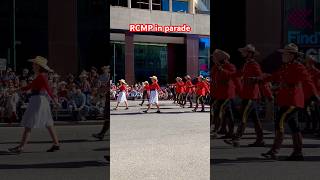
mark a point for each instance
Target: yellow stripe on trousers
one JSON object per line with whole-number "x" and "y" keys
{"x": 221, "y": 108}
{"x": 283, "y": 117}
{"x": 245, "y": 113}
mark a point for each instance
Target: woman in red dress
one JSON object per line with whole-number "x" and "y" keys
{"x": 154, "y": 94}
{"x": 38, "y": 113}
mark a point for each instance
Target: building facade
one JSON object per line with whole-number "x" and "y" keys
{"x": 138, "y": 55}
{"x": 72, "y": 34}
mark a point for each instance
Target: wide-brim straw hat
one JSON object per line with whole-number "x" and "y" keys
{"x": 221, "y": 54}
{"x": 179, "y": 78}
{"x": 291, "y": 48}
{"x": 249, "y": 48}
{"x": 42, "y": 62}
{"x": 105, "y": 67}
{"x": 154, "y": 77}
{"x": 146, "y": 82}
{"x": 122, "y": 81}
{"x": 63, "y": 83}
{"x": 188, "y": 77}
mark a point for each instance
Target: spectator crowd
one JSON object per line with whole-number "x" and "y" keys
{"x": 78, "y": 97}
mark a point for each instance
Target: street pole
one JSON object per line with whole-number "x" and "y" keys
{"x": 114, "y": 62}
{"x": 14, "y": 34}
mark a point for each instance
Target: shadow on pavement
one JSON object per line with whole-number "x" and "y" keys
{"x": 80, "y": 164}
{"x": 102, "y": 149}
{"x": 238, "y": 160}
{"x": 49, "y": 142}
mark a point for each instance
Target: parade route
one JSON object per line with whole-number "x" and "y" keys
{"x": 80, "y": 157}
{"x": 245, "y": 163}
{"x": 172, "y": 145}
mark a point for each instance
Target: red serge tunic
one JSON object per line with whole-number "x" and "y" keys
{"x": 40, "y": 83}
{"x": 292, "y": 78}
{"x": 189, "y": 87}
{"x": 180, "y": 87}
{"x": 202, "y": 88}
{"x": 315, "y": 77}
{"x": 250, "y": 89}
{"x": 224, "y": 87}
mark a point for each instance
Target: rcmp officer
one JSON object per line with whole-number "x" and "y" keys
{"x": 290, "y": 98}
{"x": 222, "y": 73}
{"x": 201, "y": 89}
{"x": 311, "y": 109}
{"x": 189, "y": 91}
{"x": 250, "y": 95}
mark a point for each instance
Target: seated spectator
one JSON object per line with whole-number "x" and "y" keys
{"x": 84, "y": 83}
{"x": 11, "y": 105}
{"x": 25, "y": 75}
{"x": 95, "y": 103}
{"x": 77, "y": 105}
{"x": 63, "y": 95}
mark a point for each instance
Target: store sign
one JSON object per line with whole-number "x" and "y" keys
{"x": 312, "y": 51}
{"x": 3, "y": 64}
{"x": 301, "y": 38}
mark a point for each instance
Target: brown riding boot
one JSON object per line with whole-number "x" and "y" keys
{"x": 297, "y": 148}
{"x": 278, "y": 139}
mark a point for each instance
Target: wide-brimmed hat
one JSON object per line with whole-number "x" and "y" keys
{"x": 83, "y": 74}
{"x": 188, "y": 77}
{"x": 311, "y": 57}
{"x": 42, "y": 62}
{"x": 178, "y": 78}
{"x": 123, "y": 81}
{"x": 105, "y": 67}
{"x": 200, "y": 76}
{"x": 291, "y": 48}
{"x": 154, "y": 77}
{"x": 221, "y": 54}
{"x": 146, "y": 82}
{"x": 249, "y": 48}
{"x": 63, "y": 83}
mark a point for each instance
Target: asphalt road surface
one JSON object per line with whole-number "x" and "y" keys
{"x": 80, "y": 157}
{"x": 245, "y": 163}
{"x": 172, "y": 145}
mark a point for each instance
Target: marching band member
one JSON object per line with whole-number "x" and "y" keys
{"x": 292, "y": 77}
{"x": 250, "y": 95}
{"x": 223, "y": 72}
{"x": 154, "y": 94}
{"x": 122, "y": 97}
{"x": 38, "y": 113}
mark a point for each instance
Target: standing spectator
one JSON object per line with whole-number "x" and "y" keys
{"x": 105, "y": 76}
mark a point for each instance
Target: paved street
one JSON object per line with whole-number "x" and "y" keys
{"x": 81, "y": 157}
{"x": 246, "y": 163}
{"x": 173, "y": 145}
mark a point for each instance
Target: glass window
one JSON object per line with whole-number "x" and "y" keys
{"x": 204, "y": 56}
{"x": 117, "y": 61}
{"x": 177, "y": 5}
{"x": 141, "y": 4}
{"x": 150, "y": 59}
{"x": 302, "y": 24}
